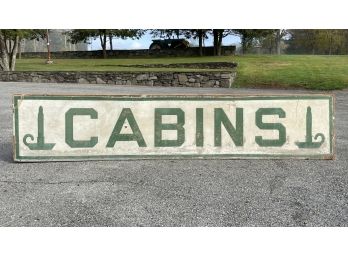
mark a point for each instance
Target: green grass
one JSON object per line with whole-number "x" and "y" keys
{"x": 303, "y": 71}
{"x": 312, "y": 72}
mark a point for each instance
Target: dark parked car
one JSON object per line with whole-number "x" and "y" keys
{"x": 158, "y": 44}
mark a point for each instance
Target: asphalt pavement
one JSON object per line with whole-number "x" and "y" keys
{"x": 171, "y": 192}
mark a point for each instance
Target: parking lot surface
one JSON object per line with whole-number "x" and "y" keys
{"x": 171, "y": 192}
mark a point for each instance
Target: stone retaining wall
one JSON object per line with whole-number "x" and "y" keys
{"x": 167, "y": 79}
{"x": 198, "y": 65}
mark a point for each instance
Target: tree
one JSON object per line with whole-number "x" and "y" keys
{"x": 201, "y": 34}
{"x": 279, "y": 35}
{"x": 318, "y": 41}
{"x": 303, "y": 41}
{"x": 218, "y": 35}
{"x": 331, "y": 41}
{"x": 84, "y": 35}
{"x": 272, "y": 41}
{"x": 248, "y": 35}
{"x": 8, "y": 50}
{"x": 217, "y": 39}
{"x": 167, "y": 33}
{"x": 345, "y": 48}
{"x": 267, "y": 43}
{"x": 10, "y": 43}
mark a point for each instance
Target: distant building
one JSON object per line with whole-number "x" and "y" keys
{"x": 58, "y": 42}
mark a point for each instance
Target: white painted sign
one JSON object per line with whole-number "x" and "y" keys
{"x": 50, "y": 128}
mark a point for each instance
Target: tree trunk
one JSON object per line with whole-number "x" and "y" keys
{"x": 200, "y": 38}
{"x": 220, "y": 36}
{"x": 177, "y": 32}
{"x": 8, "y": 55}
{"x": 215, "y": 34}
{"x": 9, "y": 46}
{"x": 330, "y": 49}
{"x": 330, "y": 43}
{"x": 65, "y": 43}
{"x": 103, "y": 44}
{"x": 19, "y": 49}
{"x": 244, "y": 46}
{"x": 278, "y": 41}
{"x": 104, "y": 47}
{"x": 4, "y": 61}
{"x": 23, "y": 45}
{"x": 13, "y": 54}
{"x": 110, "y": 39}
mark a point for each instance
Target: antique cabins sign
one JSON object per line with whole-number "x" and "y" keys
{"x": 48, "y": 128}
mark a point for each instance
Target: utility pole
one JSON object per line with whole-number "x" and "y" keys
{"x": 48, "y": 61}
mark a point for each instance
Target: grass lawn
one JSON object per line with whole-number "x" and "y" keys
{"x": 304, "y": 71}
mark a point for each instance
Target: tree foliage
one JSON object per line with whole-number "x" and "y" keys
{"x": 318, "y": 41}
{"x": 199, "y": 34}
{"x": 218, "y": 35}
{"x": 273, "y": 42}
{"x": 248, "y": 36}
{"x": 9, "y": 44}
{"x": 85, "y": 35}
{"x": 167, "y": 33}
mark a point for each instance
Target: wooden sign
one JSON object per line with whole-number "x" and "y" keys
{"x": 53, "y": 128}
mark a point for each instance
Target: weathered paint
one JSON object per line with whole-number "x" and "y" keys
{"x": 153, "y": 126}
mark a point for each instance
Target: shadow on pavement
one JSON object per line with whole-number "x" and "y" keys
{"x": 6, "y": 152}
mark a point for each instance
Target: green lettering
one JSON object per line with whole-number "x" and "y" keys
{"x": 69, "y": 128}
{"x": 179, "y": 127}
{"x": 236, "y": 134}
{"x": 199, "y": 127}
{"x": 126, "y": 114}
{"x": 270, "y": 126}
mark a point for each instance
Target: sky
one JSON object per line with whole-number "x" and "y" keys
{"x": 145, "y": 41}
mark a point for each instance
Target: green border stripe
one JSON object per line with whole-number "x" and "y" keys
{"x": 16, "y": 99}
